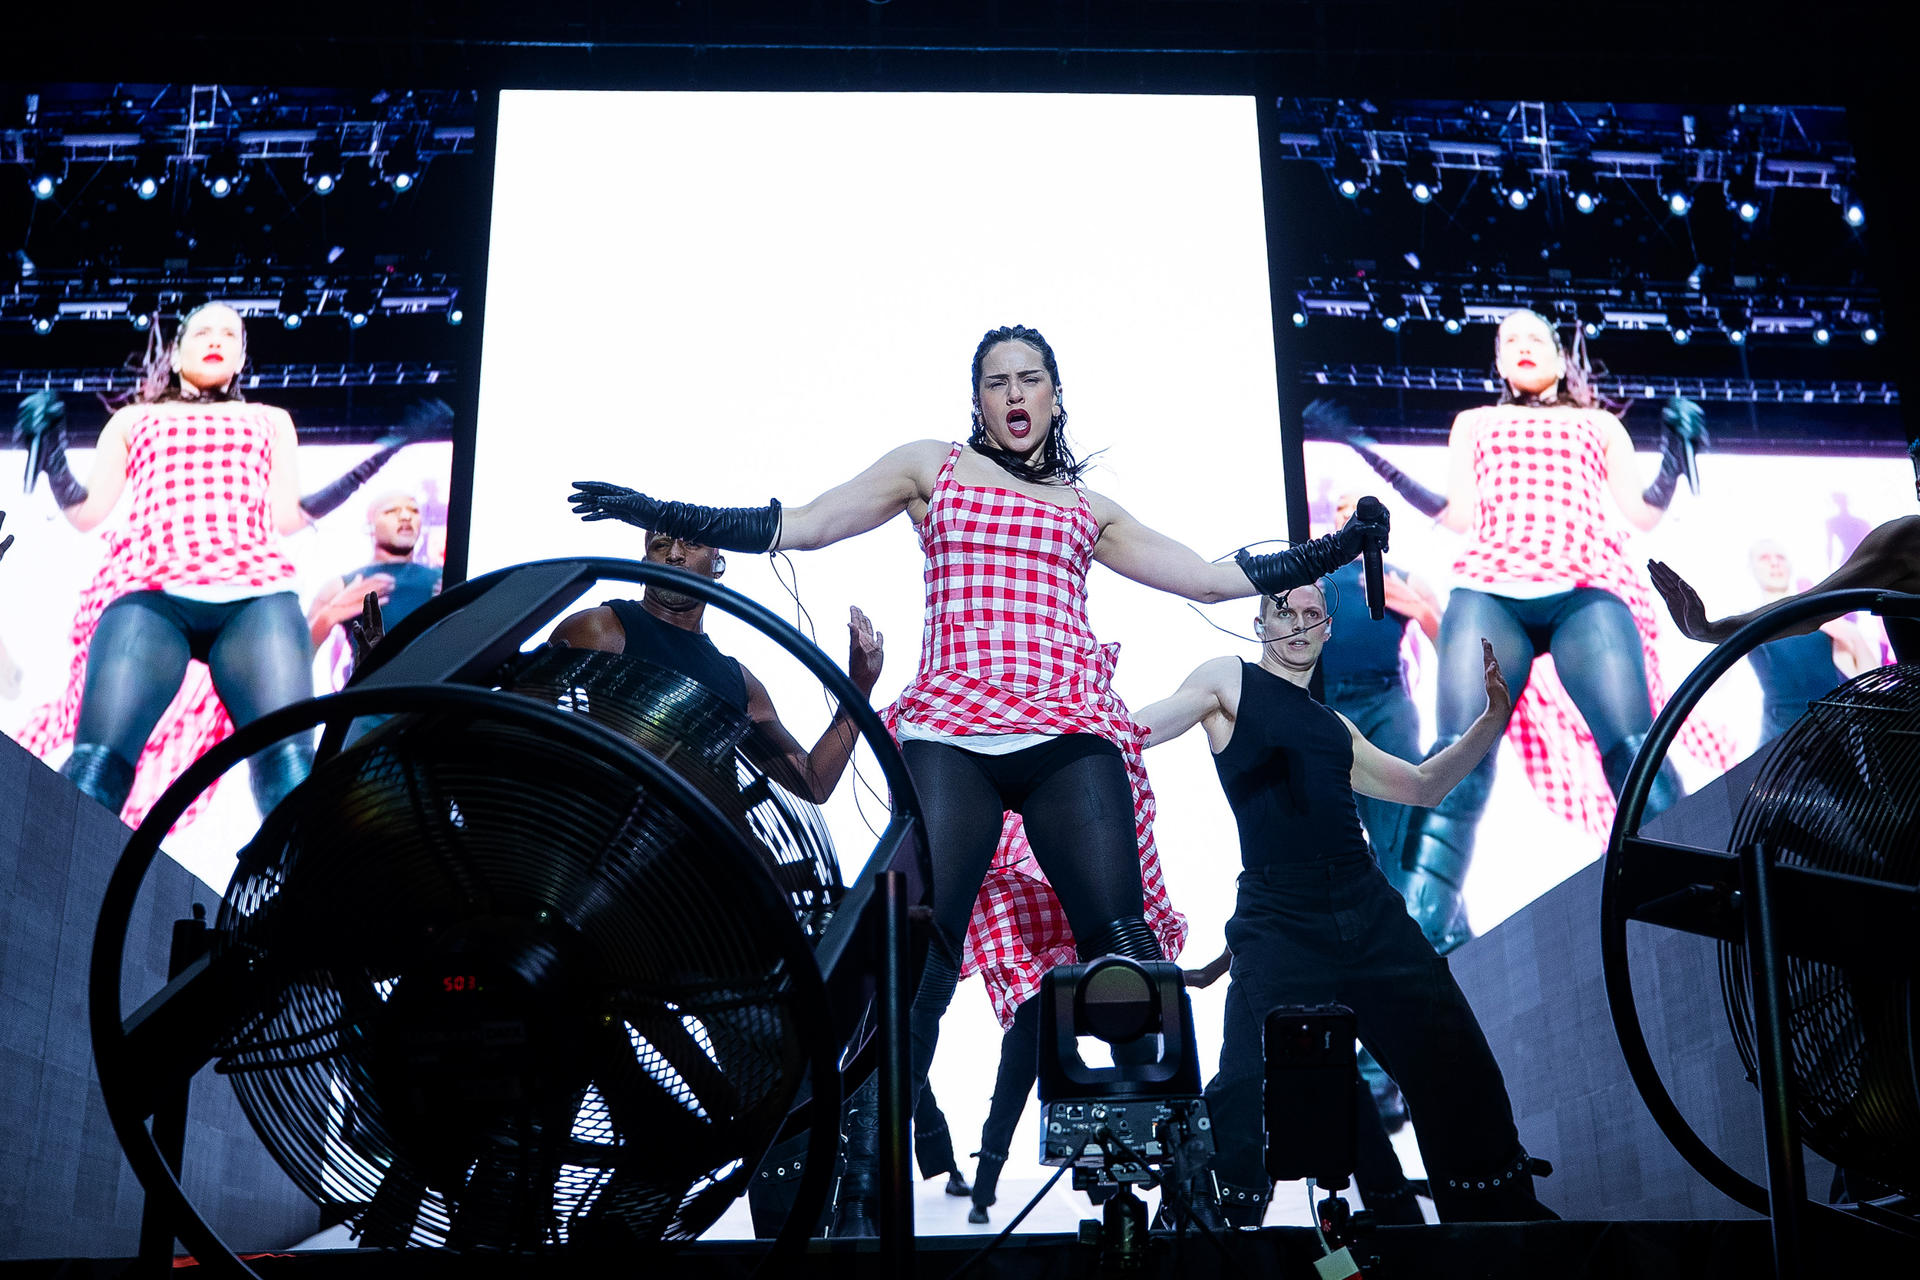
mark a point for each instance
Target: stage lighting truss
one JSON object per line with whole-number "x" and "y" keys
{"x": 1596, "y": 305}
{"x": 364, "y": 373}
{"x": 133, "y": 295}
{"x": 1560, "y": 148}
{"x": 1808, "y": 391}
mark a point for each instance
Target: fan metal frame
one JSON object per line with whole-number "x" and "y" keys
{"x": 138, "y": 1075}
{"x": 1741, "y": 896}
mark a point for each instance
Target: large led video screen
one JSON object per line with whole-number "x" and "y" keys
{"x": 315, "y": 462}
{"x": 724, "y": 298}
{"x": 1691, "y": 265}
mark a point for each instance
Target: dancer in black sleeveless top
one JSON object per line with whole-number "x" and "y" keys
{"x": 1317, "y": 923}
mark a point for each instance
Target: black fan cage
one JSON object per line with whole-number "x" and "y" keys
{"x": 1841, "y": 793}
{"x": 708, "y": 743}
{"x": 499, "y": 997}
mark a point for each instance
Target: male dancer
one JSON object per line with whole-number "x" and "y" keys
{"x": 667, "y": 627}
{"x": 1317, "y": 923}
{"x": 1795, "y": 671}
{"x": 402, "y": 585}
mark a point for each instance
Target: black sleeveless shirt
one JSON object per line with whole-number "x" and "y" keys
{"x": 1288, "y": 774}
{"x": 690, "y": 653}
{"x": 413, "y": 586}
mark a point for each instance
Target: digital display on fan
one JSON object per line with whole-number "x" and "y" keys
{"x": 459, "y": 983}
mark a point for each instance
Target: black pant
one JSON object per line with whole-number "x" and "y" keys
{"x": 1323, "y": 933}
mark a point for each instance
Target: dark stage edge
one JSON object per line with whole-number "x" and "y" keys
{"x": 1733, "y": 1250}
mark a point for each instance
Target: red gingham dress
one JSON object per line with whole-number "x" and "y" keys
{"x": 1545, "y": 515}
{"x": 199, "y": 516}
{"x": 1007, "y": 649}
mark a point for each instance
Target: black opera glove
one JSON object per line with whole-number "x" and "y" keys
{"x": 1280, "y": 571}
{"x": 1418, "y": 496}
{"x": 41, "y": 425}
{"x": 727, "y": 528}
{"x": 1683, "y": 433}
{"x": 421, "y": 420}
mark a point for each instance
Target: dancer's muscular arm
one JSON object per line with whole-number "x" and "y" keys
{"x": 1887, "y": 559}
{"x": 1209, "y": 697}
{"x": 814, "y": 774}
{"x": 1387, "y": 777}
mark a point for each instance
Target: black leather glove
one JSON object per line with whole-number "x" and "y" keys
{"x": 1418, "y": 496}
{"x": 728, "y": 528}
{"x": 8, "y": 540}
{"x": 1683, "y": 433}
{"x": 421, "y": 420}
{"x": 40, "y": 424}
{"x": 1280, "y": 571}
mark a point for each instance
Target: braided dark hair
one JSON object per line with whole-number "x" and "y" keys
{"x": 1056, "y": 464}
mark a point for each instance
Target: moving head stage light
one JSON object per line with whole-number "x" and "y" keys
{"x": 544, "y": 960}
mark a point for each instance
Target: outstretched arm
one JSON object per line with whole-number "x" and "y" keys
{"x": 867, "y": 501}
{"x": 1147, "y": 556}
{"x": 1387, "y": 777}
{"x": 1210, "y": 696}
{"x": 814, "y": 774}
{"x": 1887, "y": 559}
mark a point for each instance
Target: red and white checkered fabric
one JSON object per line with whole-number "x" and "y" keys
{"x": 1545, "y": 515}
{"x": 199, "y": 516}
{"x": 1006, "y": 648}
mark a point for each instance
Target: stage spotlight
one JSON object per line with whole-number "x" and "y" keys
{"x": 1592, "y": 319}
{"x": 1583, "y": 185}
{"x": 1675, "y": 190}
{"x": 1736, "y": 318}
{"x": 1743, "y": 197}
{"x": 43, "y": 178}
{"x": 324, "y": 166}
{"x": 401, "y": 165}
{"x": 1822, "y": 335}
{"x": 1870, "y": 335}
{"x": 1515, "y": 183}
{"x": 46, "y": 310}
{"x": 1299, "y": 317}
{"x": 1453, "y": 311}
{"x": 1850, "y": 207}
{"x": 223, "y": 175}
{"x": 357, "y": 306}
{"x": 1679, "y": 324}
{"x": 1423, "y": 177}
{"x": 141, "y": 309}
{"x": 1390, "y": 312}
{"x": 149, "y": 170}
{"x": 1349, "y": 171}
{"x": 293, "y": 305}
{"x": 456, "y": 316}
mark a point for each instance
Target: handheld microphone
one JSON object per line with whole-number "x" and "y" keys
{"x": 1370, "y": 551}
{"x": 33, "y": 461}
{"x": 1687, "y": 465}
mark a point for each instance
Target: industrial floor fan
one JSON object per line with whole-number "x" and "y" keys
{"x": 1815, "y": 903}
{"x": 538, "y": 962}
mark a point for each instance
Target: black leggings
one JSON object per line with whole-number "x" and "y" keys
{"x": 258, "y": 650}
{"x": 1596, "y": 652}
{"x": 1072, "y": 793}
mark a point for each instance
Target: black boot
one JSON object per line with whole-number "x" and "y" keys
{"x": 1666, "y": 788}
{"x": 933, "y": 1146}
{"x": 1505, "y": 1195}
{"x": 986, "y": 1180}
{"x": 278, "y": 770}
{"x": 1441, "y": 852}
{"x": 1129, "y": 936}
{"x": 856, "y": 1212}
{"x": 101, "y": 774}
{"x": 1243, "y": 1206}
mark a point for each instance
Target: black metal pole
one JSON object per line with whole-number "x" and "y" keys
{"x": 1766, "y": 965}
{"x": 170, "y": 1117}
{"x": 896, "y": 1080}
